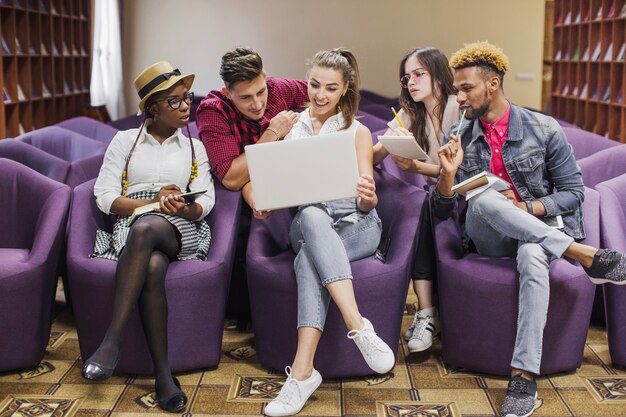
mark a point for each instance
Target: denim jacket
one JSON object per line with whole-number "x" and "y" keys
{"x": 538, "y": 159}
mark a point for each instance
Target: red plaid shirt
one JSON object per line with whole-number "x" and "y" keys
{"x": 225, "y": 131}
{"x": 496, "y": 134}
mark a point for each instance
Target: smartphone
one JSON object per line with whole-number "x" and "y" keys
{"x": 554, "y": 221}
{"x": 191, "y": 197}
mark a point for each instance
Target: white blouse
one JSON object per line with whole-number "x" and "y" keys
{"x": 152, "y": 166}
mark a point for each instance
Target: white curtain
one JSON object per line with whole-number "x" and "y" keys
{"x": 106, "y": 69}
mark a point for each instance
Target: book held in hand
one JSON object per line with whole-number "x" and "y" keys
{"x": 404, "y": 146}
{"x": 188, "y": 197}
{"x": 475, "y": 185}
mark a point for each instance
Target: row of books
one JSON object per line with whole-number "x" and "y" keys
{"x": 578, "y": 18}
{"x": 595, "y": 56}
{"x": 595, "y": 94}
{"x": 45, "y": 92}
{"x": 6, "y": 49}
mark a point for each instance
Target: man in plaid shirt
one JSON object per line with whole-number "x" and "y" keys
{"x": 250, "y": 108}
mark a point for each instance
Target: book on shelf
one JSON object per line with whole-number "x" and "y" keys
{"x": 620, "y": 97}
{"x": 558, "y": 55}
{"x": 586, "y": 54}
{"x": 5, "y": 46}
{"x": 66, "y": 87}
{"x": 575, "y": 91}
{"x": 45, "y": 91}
{"x": 594, "y": 95}
{"x": 565, "y": 90}
{"x": 82, "y": 51}
{"x": 188, "y": 197}
{"x": 475, "y": 185}
{"x": 620, "y": 54}
{"x": 611, "y": 12}
{"x": 44, "y": 50}
{"x": 20, "y": 93}
{"x": 596, "y": 52}
{"x": 53, "y": 9}
{"x": 607, "y": 94}
{"x": 583, "y": 92}
{"x": 622, "y": 12}
{"x": 76, "y": 89}
{"x": 55, "y": 50}
{"x": 599, "y": 13}
{"x": 559, "y": 20}
{"x": 588, "y": 14}
{"x": 31, "y": 49}
{"x": 75, "y": 50}
{"x": 609, "y": 52}
{"x": 21, "y": 128}
{"x": 66, "y": 51}
{"x": 566, "y": 56}
{"x": 575, "y": 55}
{"x": 577, "y": 19}
{"x": 18, "y": 47}
{"x": 42, "y": 6}
{"x": 568, "y": 18}
{"x": 34, "y": 93}
{"x": 5, "y": 96}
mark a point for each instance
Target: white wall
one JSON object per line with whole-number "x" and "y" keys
{"x": 194, "y": 34}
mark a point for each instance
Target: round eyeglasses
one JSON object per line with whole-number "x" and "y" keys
{"x": 417, "y": 74}
{"x": 174, "y": 102}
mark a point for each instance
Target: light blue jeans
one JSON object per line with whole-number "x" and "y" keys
{"x": 498, "y": 228}
{"x": 326, "y": 237}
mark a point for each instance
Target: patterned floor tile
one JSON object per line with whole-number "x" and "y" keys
{"x": 46, "y": 372}
{"x": 95, "y": 396}
{"x": 141, "y": 398}
{"x": 397, "y": 378}
{"x": 430, "y": 377}
{"x": 469, "y": 401}
{"x": 255, "y": 388}
{"x": 225, "y": 373}
{"x": 214, "y": 400}
{"x": 57, "y": 338}
{"x": 607, "y": 389}
{"x": 582, "y": 402}
{"x": 363, "y": 401}
{"x": 39, "y": 406}
{"x": 416, "y": 408}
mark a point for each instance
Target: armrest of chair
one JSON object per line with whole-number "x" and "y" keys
{"x": 223, "y": 220}
{"x": 448, "y": 238}
{"x": 84, "y": 170}
{"x": 270, "y": 237}
{"x": 50, "y": 228}
{"x": 85, "y": 220}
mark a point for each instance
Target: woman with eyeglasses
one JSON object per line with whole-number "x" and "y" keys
{"x": 143, "y": 166}
{"x": 428, "y": 110}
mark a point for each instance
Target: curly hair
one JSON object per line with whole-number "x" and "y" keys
{"x": 481, "y": 54}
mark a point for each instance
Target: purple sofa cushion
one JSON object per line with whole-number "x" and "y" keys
{"x": 91, "y": 128}
{"x": 63, "y": 143}
{"x": 42, "y": 162}
{"x": 585, "y": 143}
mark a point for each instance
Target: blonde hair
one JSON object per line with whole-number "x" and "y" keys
{"x": 481, "y": 54}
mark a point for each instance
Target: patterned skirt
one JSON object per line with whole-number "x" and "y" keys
{"x": 195, "y": 236}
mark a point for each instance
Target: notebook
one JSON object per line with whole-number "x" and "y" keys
{"x": 404, "y": 146}
{"x": 303, "y": 171}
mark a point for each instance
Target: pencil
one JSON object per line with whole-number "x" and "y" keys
{"x": 458, "y": 129}
{"x": 397, "y": 118}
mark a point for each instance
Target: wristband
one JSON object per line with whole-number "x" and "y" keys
{"x": 529, "y": 207}
{"x": 274, "y": 131}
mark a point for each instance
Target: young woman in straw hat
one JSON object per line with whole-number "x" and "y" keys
{"x": 152, "y": 164}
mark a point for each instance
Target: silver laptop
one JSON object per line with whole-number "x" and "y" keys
{"x": 302, "y": 171}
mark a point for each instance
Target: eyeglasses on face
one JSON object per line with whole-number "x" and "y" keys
{"x": 417, "y": 74}
{"x": 174, "y": 102}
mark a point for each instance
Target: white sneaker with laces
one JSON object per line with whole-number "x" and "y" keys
{"x": 409, "y": 330}
{"x": 293, "y": 395}
{"x": 376, "y": 353}
{"x": 426, "y": 328}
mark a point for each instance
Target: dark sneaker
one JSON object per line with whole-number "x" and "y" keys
{"x": 520, "y": 398}
{"x": 608, "y": 266}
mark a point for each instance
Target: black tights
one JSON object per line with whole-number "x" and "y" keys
{"x": 140, "y": 278}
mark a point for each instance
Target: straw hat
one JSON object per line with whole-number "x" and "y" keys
{"x": 159, "y": 77}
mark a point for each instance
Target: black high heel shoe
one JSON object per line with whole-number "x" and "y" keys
{"x": 96, "y": 372}
{"x": 175, "y": 403}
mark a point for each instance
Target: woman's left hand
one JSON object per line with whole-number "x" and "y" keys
{"x": 366, "y": 189}
{"x": 173, "y": 205}
{"x": 405, "y": 164}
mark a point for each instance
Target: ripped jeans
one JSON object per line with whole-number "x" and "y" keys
{"x": 325, "y": 238}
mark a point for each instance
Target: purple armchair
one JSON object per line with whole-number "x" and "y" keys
{"x": 389, "y": 166}
{"x": 478, "y": 304}
{"x": 34, "y": 214}
{"x": 34, "y": 158}
{"x": 91, "y": 128}
{"x": 368, "y": 97}
{"x": 196, "y": 290}
{"x": 612, "y": 227}
{"x": 585, "y": 143}
{"x": 85, "y": 155}
{"x": 374, "y": 123}
{"x": 381, "y": 111}
{"x": 380, "y": 288}
{"x": 128, "y": 122}
{"x": 603, "y": 165}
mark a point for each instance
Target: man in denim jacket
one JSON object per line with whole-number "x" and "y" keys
{"x": 531, "y": 152}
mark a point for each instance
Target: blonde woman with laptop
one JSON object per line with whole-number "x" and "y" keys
{"x": 428, "y": 110}
{"x": 327, "y": 236}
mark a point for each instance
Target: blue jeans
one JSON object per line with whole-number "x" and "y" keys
{"x": 499, "y": 228}
{"x": 326, "y": 237}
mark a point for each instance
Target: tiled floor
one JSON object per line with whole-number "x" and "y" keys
{"x": 419, "y": 385}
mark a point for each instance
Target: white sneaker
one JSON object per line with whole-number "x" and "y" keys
{"x": 293, "y": 395}
{"x": 426, "y": 328}
{"x": 376, "y": 353}
{"x": 409, "y": 330}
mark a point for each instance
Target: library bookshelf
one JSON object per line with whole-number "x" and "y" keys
{"x": 46, "y": 62}
{"x": 588, "y": 71}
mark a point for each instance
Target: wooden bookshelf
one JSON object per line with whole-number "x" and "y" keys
{"x": 588, "y": 70}
{"x": 46, "y": 62}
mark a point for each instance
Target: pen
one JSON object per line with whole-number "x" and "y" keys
{"x": 458, "y": 129}
{"x": 397, "y": 118}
